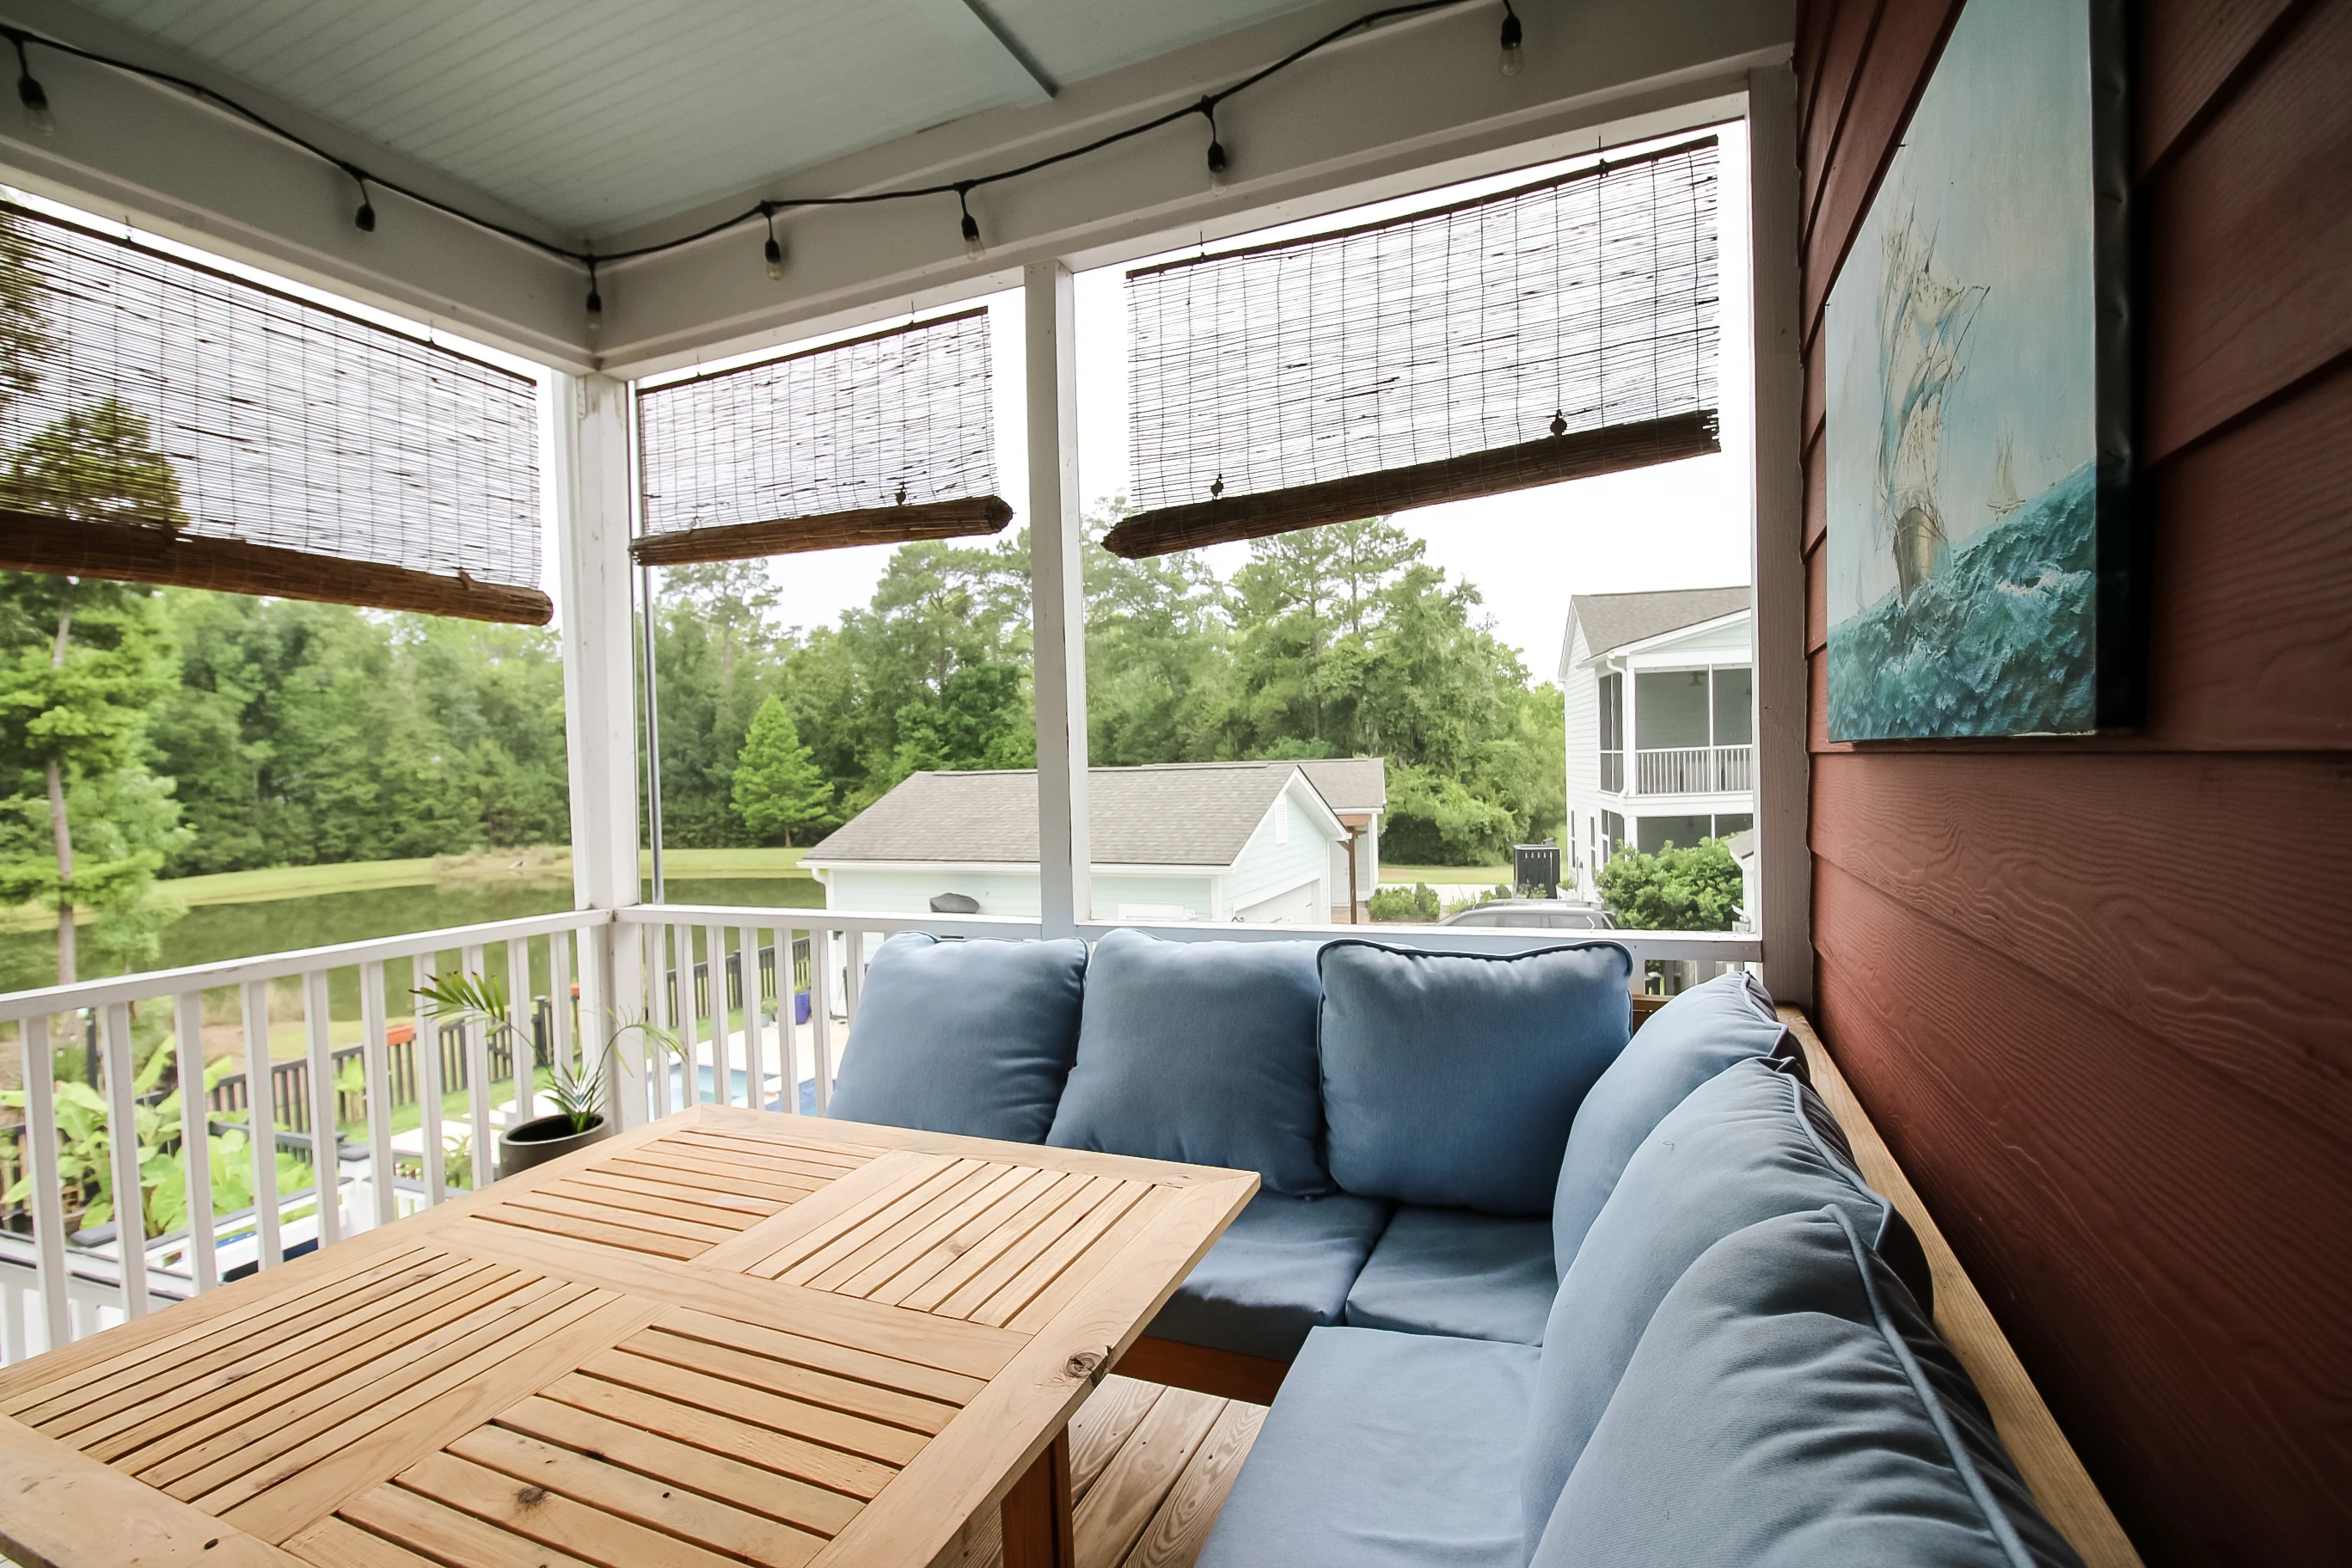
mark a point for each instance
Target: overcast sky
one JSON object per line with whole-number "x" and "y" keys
{"x": 1683, "y": 525}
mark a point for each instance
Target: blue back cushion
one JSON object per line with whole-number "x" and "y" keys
{"x": 1202, "y": 1052}
{"x": 1789, "y": 1407}
{"x": 1744, "y": 1146}
{"x": 1686, "y": 1042}
{"x": 1450, "y": 1080}
{"x": 974, "y": 1037}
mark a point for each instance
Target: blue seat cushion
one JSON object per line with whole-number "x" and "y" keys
{"x": 1457, "y": 1271}
{"x": 1384, "y": 1451}
{"x": 1450, "y": 1080}
{"x": 1790, "y": 1406}
{"x": 974, "y": 1037}
{"x": 1686, "y": 1042}
{"x": 1203, "y": 1053}
{"x": 1281, "y": 1268}
{"x": 1749, "y": 1143}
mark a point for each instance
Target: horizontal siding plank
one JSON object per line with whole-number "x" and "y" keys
{"x": 2021, "y": 853}
{"x": 2250, "y": 242}
{"x": 2187, "y": 51}
{"x": 2174, "y": 1307}
{"x": 1844, "y": 45}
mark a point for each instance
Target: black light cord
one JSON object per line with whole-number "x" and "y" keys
{"x": 762, "y": 211}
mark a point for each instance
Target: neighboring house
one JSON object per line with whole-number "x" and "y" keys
{"x": 1190, "y": 841}
{"x": 1357, "y": 791}
{"x": 1661, "y": 700}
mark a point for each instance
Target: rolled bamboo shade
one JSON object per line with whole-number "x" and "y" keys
{"x": 165, "y": 422}
{"x": 881, "y": 440}
{"x": 1553, "y": 332}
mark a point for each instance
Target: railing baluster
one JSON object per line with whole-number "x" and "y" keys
{"x": 747, "y": 949}
{"x": 722, "y": 1046}
{"x": 820, "y": 1015}
{"x": 559, "y": 998}
{"x": 49, "y": 1206}
{"x": 261, "y": 1123}
{"x": 376, "y": 1078}
{"x": 657, "y": 1008}
{"x": 195, "y": 1136}
{"x": 853, "y": 973}
{"x": 122, "y": 1151}
{"x": 526, "y": 1047}
{"x": 423, "y": 970}
{"x": 478, "y": 1079}
{"x": 326, "y": 1169}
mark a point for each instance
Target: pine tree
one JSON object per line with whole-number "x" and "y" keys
{"x": 778, "y": 787}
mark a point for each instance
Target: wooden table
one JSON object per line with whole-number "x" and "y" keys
{"x": 728, "y": 1336}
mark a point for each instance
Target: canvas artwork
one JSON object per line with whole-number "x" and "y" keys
{"x": 1976, "y": 566}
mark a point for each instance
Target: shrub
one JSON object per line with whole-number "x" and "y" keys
{"x": 1419, "y": 904}
{"x": 1696, "y": 888}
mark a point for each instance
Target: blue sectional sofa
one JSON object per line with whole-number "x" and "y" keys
{"x": 1524, "y": 1287}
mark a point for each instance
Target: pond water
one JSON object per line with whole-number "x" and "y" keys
{"x": 209, "y": 933}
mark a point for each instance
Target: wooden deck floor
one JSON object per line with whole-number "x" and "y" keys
{"x": 1150, "y": 1467}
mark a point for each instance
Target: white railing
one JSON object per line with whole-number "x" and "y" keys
{"x": 760, "y": 1002}
{"x": 1693, "y": 769}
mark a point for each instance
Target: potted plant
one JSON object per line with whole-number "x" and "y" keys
{"x": 578, "y": 1088}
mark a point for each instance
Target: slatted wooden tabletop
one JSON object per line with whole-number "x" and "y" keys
{"x": 729, "y": 1337}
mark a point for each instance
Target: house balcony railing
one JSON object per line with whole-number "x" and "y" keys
{"x": 1694, "y": 770}
{"x": 747, "y": 1041}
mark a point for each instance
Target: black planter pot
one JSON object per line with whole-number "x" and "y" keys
{"x": 545, "y": 1138}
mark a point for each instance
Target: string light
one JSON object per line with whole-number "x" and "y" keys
{"x": 1511, "y": 38}
{"x": 774, "y": 249}
{"x": 35, "y": 102}
{"x": 1216, "y": 146}
{"x": 972, "y": 249}
{"x": 31, "y": 94}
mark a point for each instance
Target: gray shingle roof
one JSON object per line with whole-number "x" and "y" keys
{"x": 1613, "y": 620}
{"x": 1178, "y": 814}
{"x": 1349, "y": 784}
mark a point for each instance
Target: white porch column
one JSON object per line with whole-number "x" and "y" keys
{"x": 591, "y": 475}
{"x": 1783, "y": 789}
{"x": 1057, "y": 590}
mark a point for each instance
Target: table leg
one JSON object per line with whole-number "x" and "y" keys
{"x": 1036, "y": 1512}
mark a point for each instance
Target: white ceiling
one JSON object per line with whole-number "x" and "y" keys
{"x": 543, "y": 103}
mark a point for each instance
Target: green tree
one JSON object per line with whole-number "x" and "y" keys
{"x": 778, "y": 789}
{"x": 1694, "y": 888}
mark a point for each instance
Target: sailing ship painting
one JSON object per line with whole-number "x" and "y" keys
{"x": 1963, "y": 380}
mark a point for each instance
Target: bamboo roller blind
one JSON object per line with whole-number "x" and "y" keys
{"x": 881, "y": 440}
{"x": 1546, "y": 333}
{"x": 162, "y": 421}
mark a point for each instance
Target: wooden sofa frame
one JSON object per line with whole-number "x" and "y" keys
{"x": 2047, "y": 1461}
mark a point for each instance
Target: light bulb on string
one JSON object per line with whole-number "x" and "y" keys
{"x": 33, "y": 96}
{"x": 596, "y": 303}
{"x": 1216, "y": 146}
{"x": 1511, "y": 40}
{"x": 364, "y": 219}
{"x": 972, "y": 249}
{"x": 774, "y": 249}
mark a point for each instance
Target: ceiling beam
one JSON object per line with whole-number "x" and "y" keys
{"x": 992, "y": 49}
{"x": 1012, "y": 44}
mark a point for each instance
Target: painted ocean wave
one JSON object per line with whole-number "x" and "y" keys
{"x": 1998, "y": 642}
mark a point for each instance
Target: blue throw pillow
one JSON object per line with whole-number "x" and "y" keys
{"x": 1202, "y": 1052}
{"x": 1789, "y": 1407}
{"x": 1450, "y": 1080}
{"x": 1749, "y": 1143}
{"x": 974, "y": 1037}
{"x": 1686, "y": 1042}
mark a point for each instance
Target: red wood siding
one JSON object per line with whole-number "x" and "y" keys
{"x": 2098, "y": 992}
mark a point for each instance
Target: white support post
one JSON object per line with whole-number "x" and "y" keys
{"x": 375, "y": 1072}
{"x": 591, "y": 473}
{"x": 1057, "y": 588}
{"x": 1783, "y": 783}
{"x": 41, "y": 1169}
{"x": 195, "y": 1133}
{"x": 261, "y": 1123}
{"x": 325, "y": 1170}
{"x": 122, "y": 1143}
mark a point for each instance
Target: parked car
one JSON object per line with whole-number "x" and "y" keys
{"x": 1546, "y": 914}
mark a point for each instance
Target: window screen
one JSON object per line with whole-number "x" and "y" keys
{"x": 164, "y": 422}
{"x": 1560, "y": 330}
